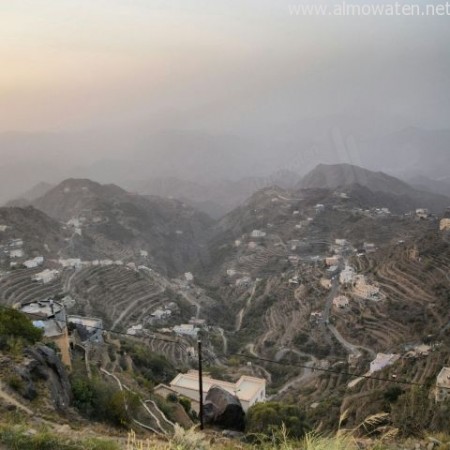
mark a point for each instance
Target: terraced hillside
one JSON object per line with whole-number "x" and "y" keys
{"x": 18, "y": 287}
{"x": 275, "y": 295}
{"x": 414, "y": 278}
{"x": 122, "y": 296}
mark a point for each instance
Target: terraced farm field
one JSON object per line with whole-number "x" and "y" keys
{"x": 120, "y": 295}
{"x": 18, "y": 287}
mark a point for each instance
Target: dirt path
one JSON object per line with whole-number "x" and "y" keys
{"x": 241, "y": 313}
{"x": 12, "y": 401}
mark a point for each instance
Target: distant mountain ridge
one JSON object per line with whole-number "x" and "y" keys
{"x": 392, "y": 190}
{"x": 332, "y": 176}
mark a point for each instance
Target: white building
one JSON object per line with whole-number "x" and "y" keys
{"x": 249, "y": 390}
{"x": 89, "y": 328}
{"x": 341, "y": 242}
{"x": 293, "y": 259}
{"x": 16, "y": 253}
{"x": 189, "y": 277}
{"x": 231, "y": 272}
{"x": 383, "y": 360}
{"x": 134, "y": 330}
{"x": 16, "y": 242}
{"x": 3, "y": 228}
{"x": 319, "y": 207}
{"x": 106, "y": 262}
{"x": 74, "y": 222}
{"x": 186, "y": 329}
{"x": 35, "y": 262}
{"x": 244, "y": 281}
{"x": 258, "y": 234}
{"x": 46, "y": 276}
{"x": 442, "y": 391}
{"x": 161, "y": 313}
{"x": 144, "y": 253}
{"x": 364, "y": 290}
{"x": 422, "y": 213}
{"x": 341, "y": 302}
{"x": 71, "y": 262}
{"x": 369, "y": 247}
{"x": 347, "y": 275}
{"x": 444, "y": 224}
{"x": 332, "y": 260}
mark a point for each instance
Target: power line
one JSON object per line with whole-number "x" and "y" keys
{"x": 322, "y": 369}
{"x": 270, "y": 361}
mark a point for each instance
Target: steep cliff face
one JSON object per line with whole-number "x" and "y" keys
{"x": 38, "y": 375}
{"x": 43, "y": 363}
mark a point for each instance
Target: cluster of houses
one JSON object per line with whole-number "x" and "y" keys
{"x": 361, "y": 288}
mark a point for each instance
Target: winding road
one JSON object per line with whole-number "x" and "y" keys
{"x": 353, "y": 349}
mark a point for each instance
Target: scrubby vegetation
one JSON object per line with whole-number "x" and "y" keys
{"x": 16, "y": 437}
{"x": 16, "y": 329}
{"x": 99, "y": 400}
{"x": 269, "y": 418}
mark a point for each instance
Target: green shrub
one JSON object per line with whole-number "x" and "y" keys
{"x": 18, "y": 439}
{"x": 186, "y": 404}
{"x": 15, "y": 327}
{"x": 155, "y": 368}
{"x": 15, "y": 382}
{"x": 172, "y": 397}
{"x": 99, "y": 400}
{"x": 268, "y": 418}
{"x": 393, "y": 393}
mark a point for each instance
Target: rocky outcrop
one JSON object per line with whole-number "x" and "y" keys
{"x": 42, "y": 363}
{"x": 223, "y": 410}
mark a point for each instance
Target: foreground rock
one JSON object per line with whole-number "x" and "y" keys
{"x": 42, "y": 363}
{"x": 223, "y": 410}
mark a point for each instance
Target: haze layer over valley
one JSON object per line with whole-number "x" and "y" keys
{"x": 224, "y": 225}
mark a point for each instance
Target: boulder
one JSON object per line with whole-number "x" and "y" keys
{"x": 223, "y": 410}
{"x": 42, "y": 363}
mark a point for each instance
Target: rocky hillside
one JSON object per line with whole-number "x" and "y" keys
{"x": 279, "y": 262}
{"x": 40, "y": 233}
{"x": 116, "y": 224}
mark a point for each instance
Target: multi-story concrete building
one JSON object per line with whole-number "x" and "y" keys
{"x": 51, "y": 317}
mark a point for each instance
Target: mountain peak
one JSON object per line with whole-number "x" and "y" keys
{"x": 333, "y": 176}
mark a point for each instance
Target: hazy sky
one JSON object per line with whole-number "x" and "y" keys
{"x": 244, "y": 66}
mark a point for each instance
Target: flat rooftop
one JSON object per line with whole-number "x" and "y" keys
{"x": 245, "y": 388}
{"x": 42, "y": 308}
{"x": 443, "y": 379}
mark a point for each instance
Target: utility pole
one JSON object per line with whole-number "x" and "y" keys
{"x": 200, "y": 381}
